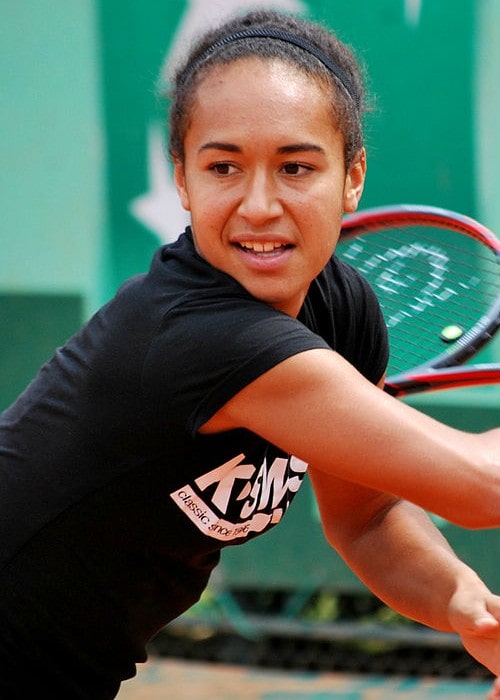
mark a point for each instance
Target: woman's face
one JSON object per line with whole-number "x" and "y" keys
{"x": 264, "y": 178}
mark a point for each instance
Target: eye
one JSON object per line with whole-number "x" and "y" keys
{"x": 294, "y": 168}
{"x": 222, "y": 168}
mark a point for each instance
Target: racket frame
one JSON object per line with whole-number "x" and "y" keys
{"x": 459, "y": 377}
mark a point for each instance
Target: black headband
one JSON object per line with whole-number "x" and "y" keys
{"x": 270, "y": 33}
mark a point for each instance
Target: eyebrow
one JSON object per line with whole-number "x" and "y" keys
{"x": 219, "y": 146}
{"x": 290, "y": 148}
{"x": 298, "y": 147}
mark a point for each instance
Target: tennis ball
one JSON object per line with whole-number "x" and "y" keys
{"x": 451, "y": 333}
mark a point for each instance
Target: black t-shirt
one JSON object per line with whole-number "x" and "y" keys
{"x": 113, "y": 508}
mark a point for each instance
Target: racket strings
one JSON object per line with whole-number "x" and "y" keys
{"x": 434, "y": 285}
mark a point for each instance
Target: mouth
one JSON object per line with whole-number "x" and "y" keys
{"x": 265, "y": 248}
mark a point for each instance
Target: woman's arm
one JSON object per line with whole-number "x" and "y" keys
{"x": 368, "y": 451}
{"x": 400, "y": 555}
{"x": 316, "y": 406}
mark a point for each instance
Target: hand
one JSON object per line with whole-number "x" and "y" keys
{"x": 476, "y": 618}
{"x": 484, "y": 645}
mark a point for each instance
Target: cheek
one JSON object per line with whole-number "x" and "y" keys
{"x": 211, "y": 210}
{"x": 205, "y": 216}
{"x": 207, "y": 222}
{"x": 324, "y": 229}
{"x": 324, "y": 213}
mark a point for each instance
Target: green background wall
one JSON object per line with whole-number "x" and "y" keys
{"x": 87, "y": 196}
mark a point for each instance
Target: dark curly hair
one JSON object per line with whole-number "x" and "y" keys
{"x": 210, "y": 50}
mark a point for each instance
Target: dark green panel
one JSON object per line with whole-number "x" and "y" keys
{"x": 421, "y": 133}
{"x": 31, "y": 327}
{"x": 134, "y": 38}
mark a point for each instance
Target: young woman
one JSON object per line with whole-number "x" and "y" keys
{"x": 183, "y": 416}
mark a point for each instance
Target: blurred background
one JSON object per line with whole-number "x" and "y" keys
{"x": 87, "y": 196}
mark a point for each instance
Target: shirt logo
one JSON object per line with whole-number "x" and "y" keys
{"x": 237, "y": 498}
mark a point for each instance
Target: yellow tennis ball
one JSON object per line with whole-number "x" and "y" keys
{"x": 451, "y": 333}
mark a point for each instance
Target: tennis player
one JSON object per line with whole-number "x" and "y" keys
{"x": 183, "y": 417}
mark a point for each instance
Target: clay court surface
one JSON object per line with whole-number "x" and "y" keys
{"x": 160, "y": 679}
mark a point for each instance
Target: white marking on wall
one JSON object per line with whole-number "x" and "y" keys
{"x": 413, "y": 12}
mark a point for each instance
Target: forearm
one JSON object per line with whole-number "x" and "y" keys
{"x": 403, "y": 558}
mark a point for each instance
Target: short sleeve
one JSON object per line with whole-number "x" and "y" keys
{"x": 208, "y": 350}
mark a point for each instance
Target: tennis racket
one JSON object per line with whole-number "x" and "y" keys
{"x": 436, "y": 274}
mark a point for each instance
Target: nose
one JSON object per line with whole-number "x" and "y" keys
{"x": 260, "y": 202}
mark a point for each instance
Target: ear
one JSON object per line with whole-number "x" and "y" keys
{"x": 355, "y": 182}
{"x": 180, "y": 183}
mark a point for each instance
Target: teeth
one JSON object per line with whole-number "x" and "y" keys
{"x": 267, "y": 247}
